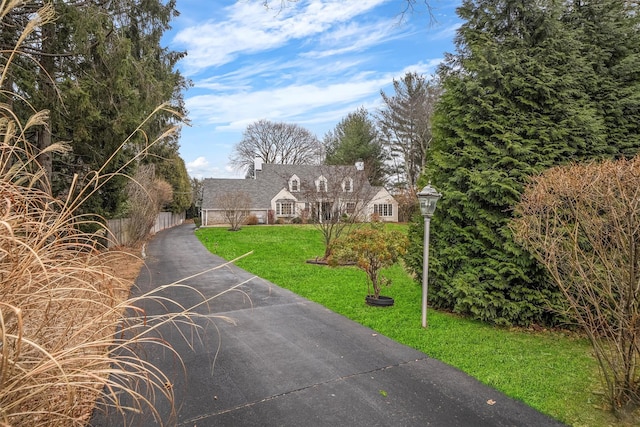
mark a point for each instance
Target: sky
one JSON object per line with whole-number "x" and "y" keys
{"x": 304, "y": 62}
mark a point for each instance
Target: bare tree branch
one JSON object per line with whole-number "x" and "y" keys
{"x": 582, "y": 223}
{"x": 236, "y": 207}
{"x": 275, "y": 143}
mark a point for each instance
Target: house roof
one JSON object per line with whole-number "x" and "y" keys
{"x": 272, "y": 178}
{"x": 260, "y": 192}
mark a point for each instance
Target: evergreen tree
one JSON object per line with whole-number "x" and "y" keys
{"x": 514, "y": 103}
{"x": 173, "y": 170}
{"x": 355, "y": 139}
{"x": 405, "y": 123}
{"x": 609, "y": 31}
{"x": 100, "y": 70}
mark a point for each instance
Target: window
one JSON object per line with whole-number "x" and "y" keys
{"x": 321, "y": 184}
{"x": 284, "y": 208}
{"x": 351, "y": 207}
{"x": 347, "y": 185}
{"x": 383, "y": 209}
{"x": 294, "y": 184}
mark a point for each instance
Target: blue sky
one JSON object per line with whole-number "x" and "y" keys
{"x": 309, "y": 63}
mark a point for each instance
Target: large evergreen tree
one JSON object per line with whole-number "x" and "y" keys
{"x": 516, "y": 101}
{"x": 609, "y": 32}
{"x": 100, "y": 70}
{"x": 405, "y": 123}
{"x": 355, "y": 139}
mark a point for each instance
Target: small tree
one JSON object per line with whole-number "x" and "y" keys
{"x": 236, "y": 206}
{"x": 337, "y": 201}
{"x": 583, "y": 223}
{"x": 371, "y": 248}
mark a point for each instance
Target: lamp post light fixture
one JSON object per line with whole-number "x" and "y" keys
{"x": 428, "y": 198}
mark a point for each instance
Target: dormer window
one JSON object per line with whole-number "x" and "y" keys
{"x": 294, "y": 184}
{"x": 321, "y": 184}
{"x": 347, "y": 185}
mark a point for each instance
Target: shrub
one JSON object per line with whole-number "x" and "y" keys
{"x": 146, "y": 195}
{"x": 235, "y": 205}
{"x": 251, "y": 220}
{"x": 582, "y": 222}
{"x": 371, "y": 248}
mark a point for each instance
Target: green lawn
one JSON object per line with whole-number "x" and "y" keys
{"x": 551, "y": 371}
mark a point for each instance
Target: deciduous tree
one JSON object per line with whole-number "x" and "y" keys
{"x": 146, "y": 196}
{"x": 236, "y": 206}
{"x": 275, "y": 142}
{"x": 337, "y": 199}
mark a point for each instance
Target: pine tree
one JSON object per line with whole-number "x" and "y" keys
{"x": 405, "y": 123}
{"x": 514, "y": 104}
{"x": 100, "y": 70}
{"x": 355, "y": 139}
{"x": 609, "y": 32}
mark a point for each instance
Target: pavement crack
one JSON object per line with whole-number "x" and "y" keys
{"x": 190, "y": 421}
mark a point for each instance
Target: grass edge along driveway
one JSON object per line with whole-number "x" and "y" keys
{"x": 551, "y": 371}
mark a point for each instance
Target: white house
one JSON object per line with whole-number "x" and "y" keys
{"x": 307, "y": 192}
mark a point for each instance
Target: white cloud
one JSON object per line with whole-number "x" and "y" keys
{"x": 202, "y": 168}
{"x": 233, "y": 110}
{"x": 199, "y": 168}
{"x": 353, "y": 37}
{"x": 247, "y": 28}
{"x": 198, "y": 163}
{"x": 297, "y": 102}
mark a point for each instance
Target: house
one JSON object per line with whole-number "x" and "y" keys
{"x": 291, "y": 193}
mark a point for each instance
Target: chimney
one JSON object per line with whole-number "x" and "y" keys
{"x": 257, "y": 166}
{"x": 360, "y": 165}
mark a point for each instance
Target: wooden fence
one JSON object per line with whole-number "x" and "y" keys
{"x": 118, "y": 229}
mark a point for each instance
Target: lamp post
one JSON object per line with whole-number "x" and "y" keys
{"x": 428, "y": 198}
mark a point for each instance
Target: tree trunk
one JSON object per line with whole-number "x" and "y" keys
{"x": 47, "y": 74}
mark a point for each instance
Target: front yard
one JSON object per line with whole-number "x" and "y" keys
{"x": 551, "y": 371}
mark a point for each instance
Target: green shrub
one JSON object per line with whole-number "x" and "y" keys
{"x": 371, "y": 248}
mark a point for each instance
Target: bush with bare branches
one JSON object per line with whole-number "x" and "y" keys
{"x": 146, "y": 196}
{"x": 236, "y": 206}
{"x": 583, "y": 223}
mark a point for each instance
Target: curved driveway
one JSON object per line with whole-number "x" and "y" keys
{"x": 286, "y": 361}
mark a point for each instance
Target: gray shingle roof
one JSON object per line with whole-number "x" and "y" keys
{"x": 270, "y": 180}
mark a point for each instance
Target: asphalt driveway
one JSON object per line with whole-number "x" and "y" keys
{"x": 286, "y": 361}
